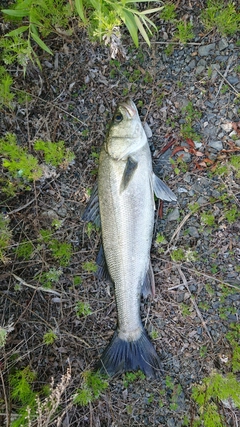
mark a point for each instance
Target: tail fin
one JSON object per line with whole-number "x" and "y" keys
{"x": 121, "y": 356}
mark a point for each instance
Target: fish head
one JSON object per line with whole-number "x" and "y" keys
{"x": 126, "y": 134}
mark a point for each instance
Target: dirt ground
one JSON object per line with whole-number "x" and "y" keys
{"x": 196, "y": 266}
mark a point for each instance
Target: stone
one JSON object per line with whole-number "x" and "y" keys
{"x": 205, "y": 50}
{"x": 193, "y": 232}
{"x": 223, "y": 44}
{"x": 174, "y": 215}
{"x": 217, "y": 145}
{"x": 199, "y": 69}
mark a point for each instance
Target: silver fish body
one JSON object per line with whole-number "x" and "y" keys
{"x": 126, "y": 186}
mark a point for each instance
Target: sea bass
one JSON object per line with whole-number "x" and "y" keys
{"x": 125, "y": 195}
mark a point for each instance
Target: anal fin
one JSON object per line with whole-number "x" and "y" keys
{"x": 148, "y": 287}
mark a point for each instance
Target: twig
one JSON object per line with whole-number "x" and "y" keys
{"x": 22, "y": 207}
{"x": 224, "y": 77}
{"x": 193, "y": 301}
{"x": 40, "y": 288}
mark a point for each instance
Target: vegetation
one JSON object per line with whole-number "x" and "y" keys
{"x": 93, "y": 385}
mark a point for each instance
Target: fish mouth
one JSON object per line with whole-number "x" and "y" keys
{"x": 130, "y": 107}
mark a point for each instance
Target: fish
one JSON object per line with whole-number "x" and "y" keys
{"x": 123, "y": 205}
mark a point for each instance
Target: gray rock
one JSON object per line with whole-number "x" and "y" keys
{"x": 200, "y": 69}
{"x": 237, "y": 142}
{"x": 147, "y": 129}
{"x": 205, "y": 50}
{"x": 174, "y": 215}
{"x": 233, "y": 80}
{"x": 192, "y": 64}
{"x": 217, "y": 145}
{"x": 223, "y": 44}
{"x": 193, "y": 232}
{"x": 101, "y": 109}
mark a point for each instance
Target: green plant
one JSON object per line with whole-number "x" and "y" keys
{"x": 233, "y": 336}
{"x": 90, "y": 266}
{"x": 154, "y": 334}
{"x": 21, "y": 391}
{"x": 82, "y": 309}
{"x": 49, "y": 277}
{"x": 130, "y": 377}
{"x": 104, "y": 17}
{"x": 169, "y": 382}
{"x": 6, "y": 96}
{"x": 222, "y": 16}
{"x": 49, "y": 338}
{"x": 185, "y": 309}
{"x": 178, "y": 255}
{"x": 54, "y": 152}
{"x": 160, "y": 239}
{"x": 214, "y": 389}
{"x": 235, "y": 164}
{"x": 190, "y": 114}
{"x": 5, "y": 236}
{"x": 184, "y": 31}
{"x": 77, "y": 280}
{"x": 3, "y": 336}
{"x": 231, "y": 214}
{"x": 224, "y": 89}
{"x": 61, "y": 251}
{"x": 168, "y": 13}
{"x": 207, "y": 218}
{"x": 24, "y": 249}
{"x": 37, "y": 19}
{"x": 17, "y": 161}
{"x": 93, "y": 385}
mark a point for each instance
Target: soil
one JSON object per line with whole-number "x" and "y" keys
{"x": 197, "y": 300}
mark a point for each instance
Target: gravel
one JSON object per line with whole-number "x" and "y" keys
{"x": 79, "y": 91}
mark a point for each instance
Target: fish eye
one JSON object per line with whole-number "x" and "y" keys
{"x": 118, "y": 117}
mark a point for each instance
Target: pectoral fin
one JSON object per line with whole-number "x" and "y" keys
{"x": 161, "y": 190}
{"x": 92, "y": 212}
{"x": 129, "y": 170}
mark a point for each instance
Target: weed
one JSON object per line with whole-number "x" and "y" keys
{"x": 235, "y": 164}
{"x": 77, "y": 280}
{"x": 169, "y": 382}
{"x": 169, "y": 49}
{"x": 130, "y": 377}
{"x": 160, "y": 240}
{"x": 90, "y": 266}
{"x": 85, "y": 132}
{"x": 38, "y": 18}
{"x": 203, "y": 351}
{"x": 207, "y": 218}
{"x": 213, "y": 389}
{"x": 24, "y": 249}
{"x": 5, "y": 236}
{"x": 61, "y": 251}
{"x": 178, "y": 255}
{"x": 49, "y": 338}
{"x": 17, "y": 161}
{"x": 103, "y": 19}
{"x": 225, "y": 19}
{"x": 55, "y": 153}
{"x": 224, "y": 89}
{"x": 48, "y": 278}
{"x": 231, "y": 214}
{"x": 6, "y": 96}
{"x": 185, "y": 309}
{"x": 233, "y": 336}
{"x": 93, "y": 385}
{"x": 168, "y": 13}
{"x": 4, "y": 331}
{"x": 82, "y": 309}
{"x": 154, "y": 334}
{"x": 190, "y": 116}
{"x": 184, "y": 31}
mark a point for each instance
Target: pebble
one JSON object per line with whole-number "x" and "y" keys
{"x": 217, "y": 145}
{"x": 174, "y": 215}
{"x": 200, "y": 69}
{"x": 205, "y": 50}
{"x": 223, "y": 44}
{"x": 193, "y": 232}
{"x": 148, "y": 130}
